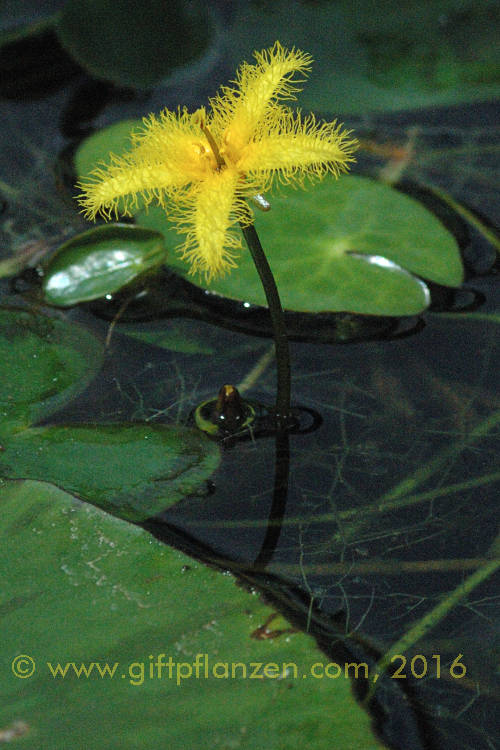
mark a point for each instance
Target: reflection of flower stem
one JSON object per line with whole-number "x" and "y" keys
{"x": 278, "y": 506}
{"x": 278, "y": 322}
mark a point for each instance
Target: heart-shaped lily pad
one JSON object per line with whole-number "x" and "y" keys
{"x": 97, "y": 147}
{"x": 348, "y": 245}
{"x": 131, "y": 44}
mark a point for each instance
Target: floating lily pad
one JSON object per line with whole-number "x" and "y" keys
{"x": 348, "y": 245}
{"x": 351, "y": 244}
{"x": 85, "y": 588}
{"x": 45, "y": 363}
{"x": 100, "y": 262}
{"x": 132, "y": 470}
{"x": 131, "y": 44}
{"x": 98, "y": 146}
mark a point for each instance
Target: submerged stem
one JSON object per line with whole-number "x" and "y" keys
{"x": 278, "y": 322}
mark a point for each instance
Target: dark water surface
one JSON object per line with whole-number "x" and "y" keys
{"x": 414, "y": 413}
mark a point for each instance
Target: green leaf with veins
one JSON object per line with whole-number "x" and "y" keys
{"x": 85, "y": 587}
{"x": 348, "y": 245}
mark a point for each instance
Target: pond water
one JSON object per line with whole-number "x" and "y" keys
{"x": 390, "y": 501}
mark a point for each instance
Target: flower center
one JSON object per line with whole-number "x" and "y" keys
{"x": 221, "y": 164}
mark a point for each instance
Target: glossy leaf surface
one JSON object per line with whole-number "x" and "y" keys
{"x": 352, "y": 244}
{"x": 100, "y": 262}
{"x": 348, "y": 245}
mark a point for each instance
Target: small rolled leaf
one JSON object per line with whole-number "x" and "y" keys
{"x": 100, "y": 262}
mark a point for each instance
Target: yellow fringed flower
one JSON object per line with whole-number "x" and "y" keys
{"x": 205, "y": 164}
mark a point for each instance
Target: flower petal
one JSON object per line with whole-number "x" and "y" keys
{"x": 298, "y": 148}
{"x": 166, "y": 155}
{"x": 270, "y": 80}
{"x": 115, "y": 190}
{"x": 207, "y": 216}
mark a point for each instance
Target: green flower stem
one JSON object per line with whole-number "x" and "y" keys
{"x": 278, "y": 322}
